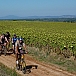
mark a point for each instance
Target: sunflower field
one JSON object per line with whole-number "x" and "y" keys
{"x": 59, "y": 37}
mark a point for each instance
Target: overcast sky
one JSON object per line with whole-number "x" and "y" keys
{"x": 37, "y": 7}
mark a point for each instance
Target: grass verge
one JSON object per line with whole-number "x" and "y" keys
{"x": 59, "y": 60}
{"x": 5, "y": 71}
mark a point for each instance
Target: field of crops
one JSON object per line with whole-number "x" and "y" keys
{"x": 54, "y": 36}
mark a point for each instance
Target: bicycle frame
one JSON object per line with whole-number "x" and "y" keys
{"x": 22, "y": 63}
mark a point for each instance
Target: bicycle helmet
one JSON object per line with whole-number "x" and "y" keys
{"x": 20, "y": 39}
{"x": 14, "y": 34}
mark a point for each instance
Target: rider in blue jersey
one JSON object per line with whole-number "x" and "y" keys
{"x": 14, "y": 39}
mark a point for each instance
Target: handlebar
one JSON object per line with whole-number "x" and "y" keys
{"x": 23, "y": 52}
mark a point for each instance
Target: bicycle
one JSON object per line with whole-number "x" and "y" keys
{"x": 3, "y": 49}
{"x": 21, "y": 63}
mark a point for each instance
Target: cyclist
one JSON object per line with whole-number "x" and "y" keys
{"x": 9, "y": 39}
{"x": 19, "y": 46}
{"x": 14, "y": 39}
{"x": 3, "y": 41}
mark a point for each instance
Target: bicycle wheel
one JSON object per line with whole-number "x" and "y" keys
{"x": 5, "y": 50}
{"x": 0, "y": 53}
{"x": 0, "y": 49}
{"x": 24, "y": 67}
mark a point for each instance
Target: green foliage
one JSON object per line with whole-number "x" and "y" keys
{"x": 38, "y": 34}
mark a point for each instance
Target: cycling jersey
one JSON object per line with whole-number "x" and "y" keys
{"x": 19, "y": 45}
{"x": 14, "y": 40}
{"x": 3, "y": 40}
{"x": 8, "y": 36}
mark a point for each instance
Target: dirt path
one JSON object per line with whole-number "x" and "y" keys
{"x": 42, "y": 70}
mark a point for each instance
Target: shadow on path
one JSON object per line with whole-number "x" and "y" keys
{"x": 29, "y": 67}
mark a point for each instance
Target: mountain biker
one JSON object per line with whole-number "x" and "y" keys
{"x": 14, "y": 39}
{"x": 9, "y": 39}
{"x": 19, "y": 46}
{"x": 3, "y": 40}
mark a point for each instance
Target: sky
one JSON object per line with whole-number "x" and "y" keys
{"x": 37, "y": 7}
